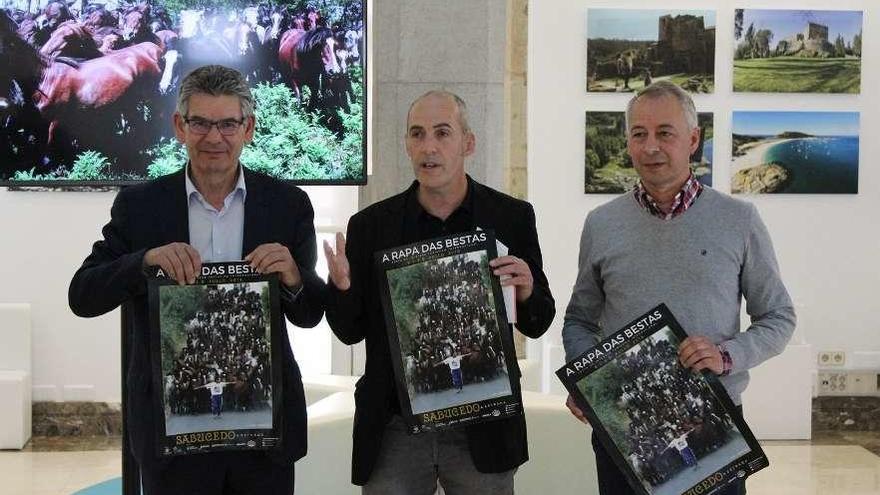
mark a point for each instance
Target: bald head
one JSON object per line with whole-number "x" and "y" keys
{"x": 443, "y": 95}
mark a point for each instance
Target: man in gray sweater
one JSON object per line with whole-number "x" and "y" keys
{"x": 671, "y": 240}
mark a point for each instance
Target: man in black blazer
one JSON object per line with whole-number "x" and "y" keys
{"x": 481, "y": 458}
{"x": 214, "y": 210}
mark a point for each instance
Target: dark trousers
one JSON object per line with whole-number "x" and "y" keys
{"x": 613, "y": 482}
{"x": 219, "y": 473}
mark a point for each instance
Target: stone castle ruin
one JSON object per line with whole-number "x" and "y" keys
{"x": 811, "y": 42}
{"x": 684, "y": 45}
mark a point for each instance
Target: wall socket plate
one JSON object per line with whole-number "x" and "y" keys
{"x": 832, "y": 383}
{"x": 849, "y": 382}
{"x": 831, "y": 358}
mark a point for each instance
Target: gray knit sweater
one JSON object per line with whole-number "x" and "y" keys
{"x": 700, "y": 264}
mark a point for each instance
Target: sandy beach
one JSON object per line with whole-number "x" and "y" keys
{"x": 754, "y": 153}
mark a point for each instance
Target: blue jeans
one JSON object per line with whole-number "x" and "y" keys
{"x": 414, "y": 464}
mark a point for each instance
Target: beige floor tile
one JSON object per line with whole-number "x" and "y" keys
{"x": 796, "y": 468}
{"x": 817, "y": 470}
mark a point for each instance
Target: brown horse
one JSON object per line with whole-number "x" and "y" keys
{"x": 308, "y": 58}
{"x": 73, "y": 40}
{"x": 104, "y": 24}
{"x": 52, "y": 16}
{"x": 105, "y": 92}
{"x": 136, "y": 27}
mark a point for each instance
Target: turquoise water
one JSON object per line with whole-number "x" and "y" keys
{"x": 110, "y": 487}
{"x": 827, "y": 165}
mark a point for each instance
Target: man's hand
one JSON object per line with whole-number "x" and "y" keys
{"x": 340, "y": 271}
{"x": 520, "y": 275}
{"x": 698, "y": 353}
{"x": 178, "y": 260}
{"x": 276, "y": 258}
{"x": 576, "y": 411}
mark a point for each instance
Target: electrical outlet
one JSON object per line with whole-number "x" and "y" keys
{"x": 833, "y": 383}
{"x": 849, "y": 382}
{"x": 831, "y": 358}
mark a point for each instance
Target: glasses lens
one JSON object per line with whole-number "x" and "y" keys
{"x": 199, "y": 126}
{"x": 227, "y": 127}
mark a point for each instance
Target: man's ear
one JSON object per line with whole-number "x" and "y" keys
{"x": 250, "y": 127}
{"x": 695, "y": 139}
{"x": 470, "y": 143}
{"x": 179, "y": 130}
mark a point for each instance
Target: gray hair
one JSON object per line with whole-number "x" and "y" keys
{"x": 665, "y": 88}
{"x": 216, "y": 80}
{"x": 459, "y": 103}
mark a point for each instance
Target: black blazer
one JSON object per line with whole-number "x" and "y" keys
{"x": 356, "y": 314}
{"x": 154, "y": 214}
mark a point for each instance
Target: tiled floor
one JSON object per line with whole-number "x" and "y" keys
{"x": 831, "y": 464}
{"x": 55, "y": 473}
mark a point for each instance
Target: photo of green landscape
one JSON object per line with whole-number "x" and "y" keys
{"x": 797, "y": 51}
{"x": 607, "y": 165}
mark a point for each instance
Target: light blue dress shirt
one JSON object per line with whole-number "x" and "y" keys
{"x": 216, "y": 235}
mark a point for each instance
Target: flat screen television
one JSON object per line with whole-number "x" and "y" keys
{"x": 88, "y": 89}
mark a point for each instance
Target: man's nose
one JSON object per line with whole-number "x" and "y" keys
{"x": 652, "y": 145}
{"x": 429, "y": 144}
{"x": 214, "y": 134}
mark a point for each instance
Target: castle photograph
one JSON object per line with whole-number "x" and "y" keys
{"x": 797, "y": 51}
{"x": 629, "y": 49}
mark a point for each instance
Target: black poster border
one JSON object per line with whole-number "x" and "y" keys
{"x": 463, "y": 414}
{"x": 632, "y": 334}
{"x": 264, "y": 439}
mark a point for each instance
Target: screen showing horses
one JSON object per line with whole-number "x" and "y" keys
{"x": 88, "y": 90}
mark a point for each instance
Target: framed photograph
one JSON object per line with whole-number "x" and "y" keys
{"x": 608, "y": 168}
{"x": 669, "y": 430}
{"x": 795, "y": 152}
{"x": 628, "y": 49}
{"x": 217, "y": 356}
{"x": 450, "y": 342}
{"x": 797, "y": 51}
{"x": 88, "y": 90}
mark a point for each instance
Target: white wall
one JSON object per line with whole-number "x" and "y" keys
{"x": 45, "y": 237}
{"x": 827, "y": 245}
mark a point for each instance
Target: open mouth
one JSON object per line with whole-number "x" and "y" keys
{"x": 430, "y": 165}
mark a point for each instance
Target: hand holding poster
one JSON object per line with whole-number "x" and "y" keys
{"x": 216, "y": 347}
{"x": 670, "y": 430}
{"x": 450, "y": 342}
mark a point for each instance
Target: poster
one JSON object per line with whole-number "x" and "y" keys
{"x": 216, "y": 366}
{"x": 451, "y": 345}
{"x": 670, "y": 430}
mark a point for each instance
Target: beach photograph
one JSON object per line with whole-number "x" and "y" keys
{"x": 628, "y": 49}
{"x": 795, "y": 152}
{"x": 607, "y": 165}
{"x": 797, "y": 51}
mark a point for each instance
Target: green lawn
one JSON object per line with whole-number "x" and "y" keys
{"x": 612, "y": 84}
{"x": 797, "y": 75}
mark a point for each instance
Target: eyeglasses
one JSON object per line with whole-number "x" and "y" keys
{"x": 227, "y": 127}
